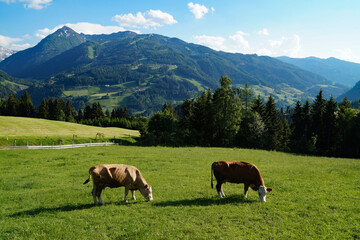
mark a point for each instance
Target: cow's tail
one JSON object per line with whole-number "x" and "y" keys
{"x": 212, "y": 175}
{"x": 90, "y": 171}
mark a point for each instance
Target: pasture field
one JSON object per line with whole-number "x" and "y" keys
{"x": 43, "y": 197}
{"x": 35, "y": 131}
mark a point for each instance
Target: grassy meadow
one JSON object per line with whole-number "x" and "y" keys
{"x": 43, "y": 197}
{"x": 34, "y": 131}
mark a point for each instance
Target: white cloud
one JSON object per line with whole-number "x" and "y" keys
{"x": 151, "y": 18}
{"x": 286, "y": 46}
{"x": 264, "y": 32}
{"x": 81, "y": 27}
{"x": 12, "y": 43}
{"x": 198, "y": 10}
{"x": 347, "y": 54}
{"x": 7, "y": 41}
{"x": 245, "y": 43}
{"x": 34, "y": 4}
{"x": 216, "y": 43}
{"x": 239, "y": 42}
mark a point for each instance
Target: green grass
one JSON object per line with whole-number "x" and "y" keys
{"x": 36, "y": 131}
{"x": 43, "y": 197}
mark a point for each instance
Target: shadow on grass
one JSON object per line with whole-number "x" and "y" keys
{"x": 66, "y": 208}
{"x": 205, "y": 201}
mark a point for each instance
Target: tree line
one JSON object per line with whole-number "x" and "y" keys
{"x": 231, "y": 117}
{"x": 227, "y": 117}
{"x": 58, "y": 109}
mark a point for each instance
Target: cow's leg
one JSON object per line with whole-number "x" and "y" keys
{"x": 93, "y": 192}
{"x": 133, "y": 194}
{"x": 98, "y": 194}
{"x": 126, "y": 193}
{"x": 219, "y": 189}
{"x": 246, "y": 188}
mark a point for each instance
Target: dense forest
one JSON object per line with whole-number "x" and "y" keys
{"x": 227, "y": 117}
{"x": 234, "y": 117}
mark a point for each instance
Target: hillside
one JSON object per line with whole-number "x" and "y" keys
{"x": 339, "y": 71}
{"x": 352, "y": 95}
{"x": 11, "y": 84}
{"x": 144, "y": 71}
{"x": 33, "y": 127}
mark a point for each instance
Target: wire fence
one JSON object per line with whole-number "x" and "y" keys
{"x": 60, "y": 146}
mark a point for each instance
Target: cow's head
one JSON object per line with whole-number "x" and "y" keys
{"x": 262, "y": 193}
{"x": 148, "y": 191}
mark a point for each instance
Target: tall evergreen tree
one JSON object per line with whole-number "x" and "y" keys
{"x": 246, "y": 96}
{"x": 26, "y": 107}
{"x": 273, "y": 126}
{"x": 318, "y": 128}
{"x": 227, "y": 113}
{"x": 43, "y": 110}
{"x": 69, "y": 112}
{"x": 2, "y": 106}
{"x": 203, "y": 119}
{"x": 87, "y": 112}
{"x": 258, "y": 106}
{"x": 330, "y": 134}
{"x": 12, "y": 105}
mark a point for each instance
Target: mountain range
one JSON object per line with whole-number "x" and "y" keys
{"x": 4, "y": 53}
{"x": 144, "y": 71}
{"x": 336, "y": 70}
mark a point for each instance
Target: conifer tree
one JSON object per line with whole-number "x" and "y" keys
{"x": 43, "y": 110}
{"x": 273, "y": 126}
{"x": 330, "y": 134}
{"x": 26, "y": 107}
{"x": 227, "y": 113}
{"x": 12, "y": 105}
{"x": 317, "y": 118}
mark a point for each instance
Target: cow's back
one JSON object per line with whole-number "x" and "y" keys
{"x": 236, "y": 172}
{"x": 115, "y": 175}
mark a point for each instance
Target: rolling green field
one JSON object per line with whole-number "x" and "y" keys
{"x": 34, "y": 131}
{"x": 42, "y": 196}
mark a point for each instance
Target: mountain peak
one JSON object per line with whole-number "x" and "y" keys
{"x": 66, "y": 32}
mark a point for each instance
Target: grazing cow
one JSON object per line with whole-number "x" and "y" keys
{"x": 238, "y": 172}
{"x": 118, "y": 175}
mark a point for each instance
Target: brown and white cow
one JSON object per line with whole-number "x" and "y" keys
{"x": 238, "y": 172}
{"x": 118, "y": 175}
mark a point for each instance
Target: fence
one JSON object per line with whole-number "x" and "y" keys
{"x": 59, "y": 146}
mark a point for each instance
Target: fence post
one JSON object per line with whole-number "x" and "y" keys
{"x": 7, "y": 137}
{"x": 15, "y": 143}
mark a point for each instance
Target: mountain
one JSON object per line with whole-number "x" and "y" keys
{"x": 352, "y": 95}
{"x": 336, "y": 70}
{"x": 144, "y": 71}
{"x": 23, "y": 63}
{"x": 11, "y": 84}
{"x": 4, "y": 53}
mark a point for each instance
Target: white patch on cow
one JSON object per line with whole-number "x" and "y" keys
{"x": 262, "y": 193}
{"x": 133, "y": 194}
{"x": 220, "y": 195}
{"x": 100, "y": 201}
{"x": 150, "y": 197}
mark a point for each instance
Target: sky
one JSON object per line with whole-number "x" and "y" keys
{"x": 294, "y": 28}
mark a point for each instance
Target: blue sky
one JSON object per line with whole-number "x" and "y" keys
{"x": 295, "y": 28}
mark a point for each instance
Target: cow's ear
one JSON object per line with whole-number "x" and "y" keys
{"x": 268, "y": 189}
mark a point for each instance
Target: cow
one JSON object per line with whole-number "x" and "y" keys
{"x": 238, "y": 172}
{"x": 118, "y": 175}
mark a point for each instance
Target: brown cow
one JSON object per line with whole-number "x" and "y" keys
{"x": 238, "y": 172}
{"x": 118, "y": 175}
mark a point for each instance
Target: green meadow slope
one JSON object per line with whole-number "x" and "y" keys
{"x": 34, "y": 128}
{"x": 43, "y": 196}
